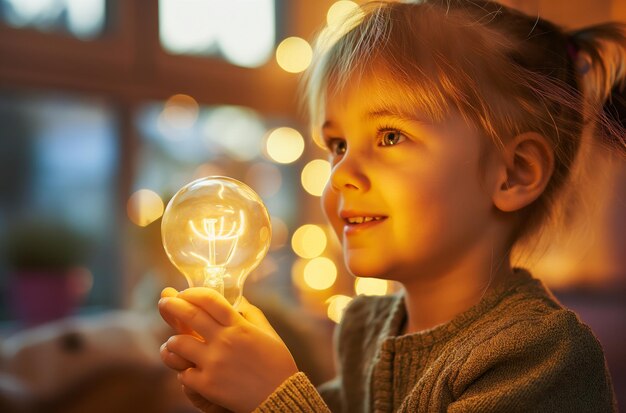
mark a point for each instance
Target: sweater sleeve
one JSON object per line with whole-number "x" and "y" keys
{"x": 550, "y": 364}
{"x": 296, "y": 394}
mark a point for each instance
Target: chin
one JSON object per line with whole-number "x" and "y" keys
{"x": 366, "y": 266}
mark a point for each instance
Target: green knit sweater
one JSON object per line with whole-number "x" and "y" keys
{"x": 517, "y": 350}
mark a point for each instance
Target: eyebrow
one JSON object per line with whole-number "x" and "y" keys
{"x": 387, "y": 112}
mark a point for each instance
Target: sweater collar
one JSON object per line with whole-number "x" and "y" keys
{"x": 391, "y": 337}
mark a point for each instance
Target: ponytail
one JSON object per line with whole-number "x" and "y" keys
{"x": 600, "y": 57}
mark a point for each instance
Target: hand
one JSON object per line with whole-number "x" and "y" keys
{"x": 238, "y": 359}
{"x": 179, "y": 364}
{"x": 170, "y": 359}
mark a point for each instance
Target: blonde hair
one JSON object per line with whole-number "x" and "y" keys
{"x": 505, "y": 72}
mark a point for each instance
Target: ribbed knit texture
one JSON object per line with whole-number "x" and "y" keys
{"x": 517, "y": 350}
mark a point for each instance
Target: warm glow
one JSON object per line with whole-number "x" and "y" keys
{"x": 309, "y": 241}
{"x": 280, "y": 233}
{"x": 284, "y": 145}
{"x": 336, "y": 306}
{"x": 370, "y": 286}
{"x": 215, "y": 231}
{"x": 144, "y": 207}
{"x": 320, "y": 273}
{"x": 294, "y": 54}
{"x": 315, "y": 175}
{"x": 340, "y": 11}
{"x": 180, "y": 112}
{"x": 264, "y": 178}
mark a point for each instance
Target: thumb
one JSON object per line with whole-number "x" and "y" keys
{"x": 175, "y": 323}
{"x": 255, "y": 316}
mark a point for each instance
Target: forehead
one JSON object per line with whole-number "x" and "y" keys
{"x": 374, "y": 94}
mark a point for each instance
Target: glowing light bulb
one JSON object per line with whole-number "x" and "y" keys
{"x": 216, "y": 230}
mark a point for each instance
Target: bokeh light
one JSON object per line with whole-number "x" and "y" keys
{"x": 342, "y": 17}
{"x": 320, "y": 273}
{"x": 314, "y": 176}
{"x": 180, "y": 112}
{"x": 339, "y": 12}
{"x": 294, "y": 54}
{"x": 336, "y": 306}
{"x": 284, "y": 145}
{"x": 309, "y": 241}
{"x": 144, "y": 207}
{"x": 371, "y": 286}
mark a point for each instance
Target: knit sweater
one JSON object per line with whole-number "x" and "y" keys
{"x": 517, "y": 350}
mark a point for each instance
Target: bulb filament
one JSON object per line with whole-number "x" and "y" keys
{"x": 221, "y": 244}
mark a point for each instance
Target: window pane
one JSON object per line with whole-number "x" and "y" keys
{"x": 84, "y": 19}
{"x": 59, "y": 161}
{"x": 241, "y": 31}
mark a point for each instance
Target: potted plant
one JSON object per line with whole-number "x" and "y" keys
{"x": 44, "y": 259}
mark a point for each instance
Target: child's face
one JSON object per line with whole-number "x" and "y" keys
{"x": 416, "y": 185}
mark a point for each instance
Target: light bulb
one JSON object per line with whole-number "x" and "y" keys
{"x": 216, "y": 230}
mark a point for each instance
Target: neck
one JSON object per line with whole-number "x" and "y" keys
{"x": 438, "y": 298}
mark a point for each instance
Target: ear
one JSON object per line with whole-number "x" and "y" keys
{"x": 526, "y": 167}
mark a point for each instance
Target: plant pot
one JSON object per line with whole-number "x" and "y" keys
{"x": 41, "y": 296}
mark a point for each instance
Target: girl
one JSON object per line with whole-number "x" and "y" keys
{"x": 452, "y": 126}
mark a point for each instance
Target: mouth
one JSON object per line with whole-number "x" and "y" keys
{"x": 357, "y": 222}
{"x": 362, "y": 220}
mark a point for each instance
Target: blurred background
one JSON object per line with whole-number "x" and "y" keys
{"x": 108, "y": 107}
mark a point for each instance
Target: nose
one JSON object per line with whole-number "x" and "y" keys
{"x": 348, "y": 174}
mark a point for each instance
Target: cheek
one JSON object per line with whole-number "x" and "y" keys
{"x": 330, "y": 207}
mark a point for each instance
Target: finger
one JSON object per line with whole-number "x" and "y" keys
{"x": 191, "y": 315}
{"x": 173, "y": 322}
{"x": 173, "y": 360}
{"x": 191, "y": 378}
{"x": 255, "y": 316}
{"x": 213, "y": 303}
{"x": 168, "y": 292}
{"x": 186, "y": 347}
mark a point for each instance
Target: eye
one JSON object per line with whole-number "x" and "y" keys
{"x": 390, "y": 137}
{"x": 337, "y": 146}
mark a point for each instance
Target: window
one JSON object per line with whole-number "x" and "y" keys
{"x": 84, "y": 19}
{"x": 62, "y": 154}
{"x": 240, "y": 31}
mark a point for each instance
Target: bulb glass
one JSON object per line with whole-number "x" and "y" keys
{"x": 215, "y": 231}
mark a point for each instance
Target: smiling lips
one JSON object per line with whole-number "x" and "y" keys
{"x": 360, "y": 221}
